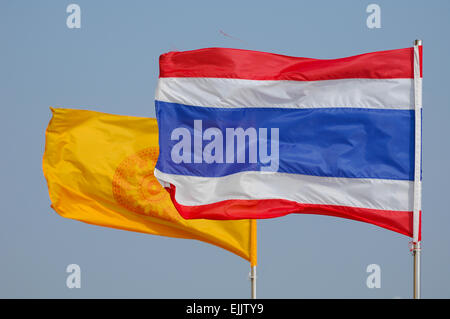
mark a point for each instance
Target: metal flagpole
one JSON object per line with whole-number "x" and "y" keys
{"x": 253, "y": 281}
{"x": 253, "y": 257}
{"x": 416, "y": 254}
{"x": 417, "y": 166}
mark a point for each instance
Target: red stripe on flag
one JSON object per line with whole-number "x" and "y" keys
{"x": 254, "y": 65}
{"x": 421, "y": 60}
{"x": 397, "y": 221}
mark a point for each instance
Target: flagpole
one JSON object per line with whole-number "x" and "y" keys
{"x": 253, "y": 257}
{"x": 416, "y": 244}
{"x": 416, "y": 254}
{"x": 253, "y": 281}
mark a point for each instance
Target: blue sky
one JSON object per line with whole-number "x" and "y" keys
{"x": 110, "y": 64}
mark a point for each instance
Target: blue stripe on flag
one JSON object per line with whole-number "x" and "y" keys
{"x": 333, "y": 142}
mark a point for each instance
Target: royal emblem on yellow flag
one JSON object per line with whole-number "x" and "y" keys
{"x": 99, "y": 170}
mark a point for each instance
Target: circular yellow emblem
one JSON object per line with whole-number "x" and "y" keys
{"x": 136, "y": 188}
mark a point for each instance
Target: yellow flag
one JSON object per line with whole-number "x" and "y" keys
{"x": 99, "y": 170}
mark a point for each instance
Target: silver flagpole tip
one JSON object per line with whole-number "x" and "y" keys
{"x": 418, "y": 42}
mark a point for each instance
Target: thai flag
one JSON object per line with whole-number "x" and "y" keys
{"x": 246, "y": 134}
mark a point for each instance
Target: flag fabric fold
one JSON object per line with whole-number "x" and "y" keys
{"x": 99, "y": 170}
{"x": 246, "y": 134}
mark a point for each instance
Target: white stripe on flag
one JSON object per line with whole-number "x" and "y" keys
{"x": 354, "y": 192}
{"x": 235, "y": 93}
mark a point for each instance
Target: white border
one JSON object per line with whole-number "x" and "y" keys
{"x": 238, "y": 93}
{"x": 384, "y": 194}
